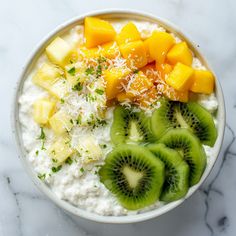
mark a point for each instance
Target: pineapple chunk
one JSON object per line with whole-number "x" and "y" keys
{"x": 59, "y": 89}
{"x": 43, "y": 110}
{"x": 97, "y": 32}
{"x": 139, "y": 84}
{"x": 60, "y": 122}
{"x": 114, "y": 79}
{"x": 129, "y": 33}
{"x": 134, "y": 53}
{"x": 202, "y": 82}
{"x": 60, "y": 150}
{"x": 180, "y": 53}
{"x": 46, "y": 75}
{"x": 89, "y": 149}
{"x": 180, "y": 77}
{"x": 159, "y": 45}
{"x": 60, "y": 52}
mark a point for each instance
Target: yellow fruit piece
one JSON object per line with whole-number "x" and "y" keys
{"x": 46, "y": 75}
{"x": 123, "y": 97}
{"x": 147, "y": 98}
{"x": 110, "y": 50}
{"x": 134, "y": 53}
{"x": 114, "y": 79}
{"x": 60, "y": 150}
{"x": 146, "y": 45}
{"x": 59, "y": 89}
{"x": 151, "y": 72}
{"x": 180, "y": 77}
{"x": 163, "y": 70}
{"x": 139, "y": 83}
{"x": 129, "y": 33}
{"x": 43, "y": 110}
{"x": 180, "y": 53}
{"x": 97, "y": 31}
{"x": 159, "y": 45}
{"x": 203, "y": 81}
{"x": 60, "y": 52}
{"x": 60, "y": 122}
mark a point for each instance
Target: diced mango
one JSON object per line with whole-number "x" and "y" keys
{"x": 60, "y": 122}
{"x": 129, "y": 33}
{"x": 180, "y": 77}
{"x": 60, "y": 150}
{"x": 97, "y": 32}
{"x": 90, "y": 149}
{"x": 46, "y": 75}
{"x": 146, "y": 45}
{"x": 202, "y": 82}
{"x": 139, "y": 83}
{"x": 114, "y": 79}
{"x": 59, "y": 89}
{"x": 163, "y": 70}
{"x": 180, "y": 53}
{"x": 60, "y": 52}
{"x": 134, "y": 53}
{"x": 147, "y": 98}
{"x": 43, "y": 110}
{"x": 159, "y": 45}
{"x": 151, "y": 72}
{"x": 122, "y": 97}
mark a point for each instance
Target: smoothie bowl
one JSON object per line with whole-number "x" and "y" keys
{"x": 118, "y": 117}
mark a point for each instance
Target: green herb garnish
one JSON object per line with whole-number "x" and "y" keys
{"x": 101, "y": 59}
{"x": 69, "y": 161}
{"x": 37, "y": 152}
{"x": 77, "y": 87}
{"x": 62, "y": 101}
{"x": 71, "y": 71}
{"x": 82, "y": 170}
{"x": 99, "y": 71}
{"x": 99, "y": 91}
{"x": 54, "y": 160}
{"x": 136, "y": 71}
{"x": 42, "y": 137}
{"x": 42, "y": 176}
{"x": 89, "y": 71}
{"x": 56, "y": 168}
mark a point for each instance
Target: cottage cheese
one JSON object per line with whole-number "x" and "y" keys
{"x": 78, "y": 183}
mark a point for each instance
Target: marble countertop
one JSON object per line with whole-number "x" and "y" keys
{"x": 26, "y": 212}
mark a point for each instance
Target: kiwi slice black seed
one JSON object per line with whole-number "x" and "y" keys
{"x": 130, "y": 126}
{"x": 190, "y": 148}
{"x": 134, "y": 175}
{"x": 176, "y": 182}
{"x": 191, "y": 115}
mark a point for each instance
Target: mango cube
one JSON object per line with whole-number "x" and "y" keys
{"x": 139, "y": 83}
{"x": 202, "y": 82}
{"x": 43, "y": 110}
{"x": 60, "y": 150}
{"x": 129, "y": 33}
{"x": 60, "y": 52}
{"x": 97, "y": 32}
{"x": 46, "y": 75}
{"x": 146, "y": 45}
{"x": 59, "y": 89}
{"x": 180, "y": 77}
{"x": 60, "y": 122}
{"x": 159, "y": 45}
{"x": 180, "y": 53}
{"x": 114, "y": 79}
{"x": 134, "y": 53}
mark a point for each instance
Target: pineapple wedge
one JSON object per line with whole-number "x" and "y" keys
{"x": 46, "y": 75}
{"x": 60, "y": 150}
{"x": 43, "y": 110}
{"x": 60, "y": 52}
{"x": 89, "y": 149}
{"x": 60, "y": 122}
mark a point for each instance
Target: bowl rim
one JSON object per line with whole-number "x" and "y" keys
{"x": 109, "y": 13}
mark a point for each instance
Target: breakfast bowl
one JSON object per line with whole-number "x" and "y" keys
{"x": 120, "y": 120}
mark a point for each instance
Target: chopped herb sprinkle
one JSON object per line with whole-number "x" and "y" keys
{"x": 62, "y": 101}
{"x": 71, "y": 71}
{"x": 54, "y": 160}
{"x": 42, "y": 137}
{"x": 99, "y": 71}
{"x": 42, "y": 176}
{"x": 69, "y": 161}
{"x": 89, "y": 71}
{"x": 37, "y": 152}
{"x": 56, "y": 168}
{"x": 99, "y": 91}
{"x": 82, "y": 170}
{"x": 77, "y": 87}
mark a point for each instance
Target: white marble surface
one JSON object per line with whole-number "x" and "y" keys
{"x": 25, "y": 212}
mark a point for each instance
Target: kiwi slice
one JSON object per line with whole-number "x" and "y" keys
{"x": 191, "y": 115}
{"x": 176, "y": 182}
{"x": 134, "y": 175}
{"x": 130, "y": 126}
{"x": 190, "y": 148}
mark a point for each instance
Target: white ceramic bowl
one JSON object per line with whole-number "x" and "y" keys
{"x": 111, "y": 14}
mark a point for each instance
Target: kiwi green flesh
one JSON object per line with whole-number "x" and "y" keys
{"x": 176, "y": 182}
{"x": 130, "y": 126}
{"x": 192, "y": 151}
{"x": 189, "y": 115}
{"x": 134, "y": 175}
